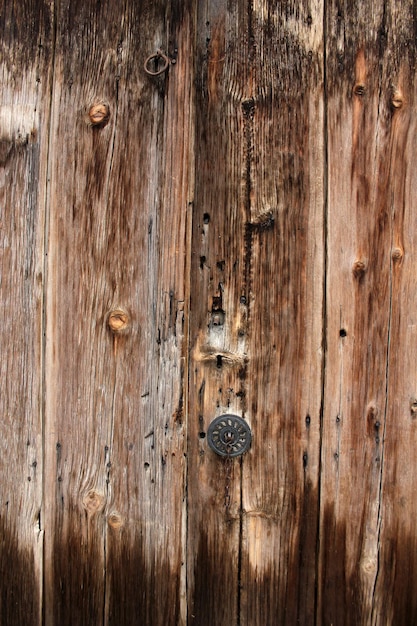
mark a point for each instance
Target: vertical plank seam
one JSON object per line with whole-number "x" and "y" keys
{"x": 187, "y": 339}
{"x": 387, "y": 373}
{"x": 318, "y": 564}
{"x": 112, "y": 417}
{"x": 190, "y": 182}
{"x": 381, "y": 468}
{"x": 248, "y": 109}
{"x": 46, "y": 231}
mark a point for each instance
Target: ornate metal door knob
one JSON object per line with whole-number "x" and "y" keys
{"x": 229, "y": 435}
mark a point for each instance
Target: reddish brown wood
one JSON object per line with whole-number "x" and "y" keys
{"x": 367, "y": 539}
{"x": 395, "y": 600}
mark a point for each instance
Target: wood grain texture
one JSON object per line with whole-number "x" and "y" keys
{"x": 234, "y": 235}
{"x": 395, "y": 601}
{"x": 115, "y": 317}
{"x": 25, "y": 53}
{"x": 217, "y": 355}
{"x": 367, "y": 541}
{"x": 284, "y": 260}
{"x": 256, "y": 311}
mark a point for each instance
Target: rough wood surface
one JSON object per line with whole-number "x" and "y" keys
{"x": 367, "y": 537}
{"x": 115, "y": 318}
{"x": 234, "y": 235}
{"x": 25, "y": 55}
{"x": 256, "y": 311}
{"x": 284, "y": 246}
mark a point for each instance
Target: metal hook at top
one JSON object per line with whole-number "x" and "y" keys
{"x": 155, "y": 57}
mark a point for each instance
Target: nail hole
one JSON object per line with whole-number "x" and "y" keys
{"x": 359, "y": 90}
{"x": 202, "y": 435}
{"x": 206, "y": 218}
{"x": 343, "y": 332}
{"x": 219, "y": 361}
{"x": 217, "y": 318}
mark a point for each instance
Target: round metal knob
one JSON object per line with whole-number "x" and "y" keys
{"x": 229, "y": 435}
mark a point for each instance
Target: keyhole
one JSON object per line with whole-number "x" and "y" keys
{"x": 228, "y": 437}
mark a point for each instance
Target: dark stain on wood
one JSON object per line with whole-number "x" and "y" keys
{"x": 139, "y": 588}
{"x": 215, "y": 594}
{"x": 75, "y": 577}
{"x": 143, "y": 589}
{"x": 19, "y": 586}
{"x": 26, "y": 33}
{"x": 343, "y": 592}
{"x": 399, "y": 564}
{"x": 340, "y": 605}
{"x": 348, "y": 26}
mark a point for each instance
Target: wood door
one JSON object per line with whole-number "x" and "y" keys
{"x": 207, "y": 209}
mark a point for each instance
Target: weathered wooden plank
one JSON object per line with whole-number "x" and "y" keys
{"x": 357, "y": 313}
{"x": 284, "y": 261}
{"x": 395, "y": 600}
{"x": 146, "y": 541}
{"x": 366, "y": 434}
{"x": 116, "y": 292}
{"x": 25, "y": 62}
{"x": 79, "y": 361}
{"x": 256, "y": 310}
{"x": 217, "y": 355}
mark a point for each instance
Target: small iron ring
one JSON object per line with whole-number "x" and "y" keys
{"x": 156, "y": 56}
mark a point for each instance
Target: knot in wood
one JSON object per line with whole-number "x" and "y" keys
{"x": 369, "y": 565}
{"x": 93, "y": 501}
{"x": 118, "y": 320}
{"x": 115, "y": 520}
{"x": 397, "y": 255}
{"x": 397, "y": 99}
{"x": 359, "y": 90}
{"x": 359, "y": 269}
{"x": 99, "y": 114}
